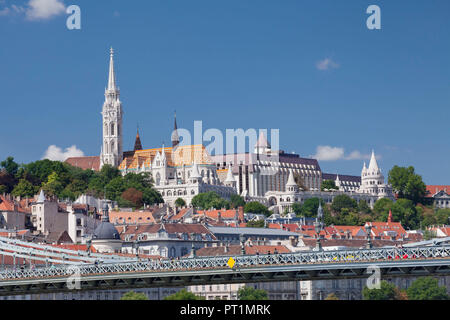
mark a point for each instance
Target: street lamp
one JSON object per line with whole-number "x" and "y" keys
{"x": 88, "y": 244}
{"x": 317, "y": 228}
{"x": 369, "y": 244}
{"x": 242, "y": 240}
{"x": 136, "y": 247}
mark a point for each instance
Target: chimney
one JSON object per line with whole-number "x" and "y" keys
{"x": 390, "y": 216}
{"x": 241, "y": 214}
{"x": 293, "y": 241}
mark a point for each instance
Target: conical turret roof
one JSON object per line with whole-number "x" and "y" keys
{"x": 41, "y": 198}
{"x": 195, "y": 174}
{"x": 291, "y": 181}
{"x": 230, "y": 177}
{"x": 373, "y": 165}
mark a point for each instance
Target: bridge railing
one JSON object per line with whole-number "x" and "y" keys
{"x": 242, "y": 262}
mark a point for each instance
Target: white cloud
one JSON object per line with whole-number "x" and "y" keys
{"x": 44, "y": 9}
{"x": 55, "y": 153}
{"x": 36, "y": 9}
{"x": 326, "y": 64}
{"x": 329, "y": 153}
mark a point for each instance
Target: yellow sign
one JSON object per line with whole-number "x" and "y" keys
{"x": 231, "y": 263}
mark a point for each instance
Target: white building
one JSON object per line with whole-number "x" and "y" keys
{"x": 47, "y": 217}
{"x": 112, "y": 147}
{"x": 266, "y": 170}
{"x": 372, "y": 181}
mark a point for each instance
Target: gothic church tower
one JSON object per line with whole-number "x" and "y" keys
{"x": 112, "y": 150}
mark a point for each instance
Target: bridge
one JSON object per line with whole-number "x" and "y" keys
{"x": 120, "y": 273}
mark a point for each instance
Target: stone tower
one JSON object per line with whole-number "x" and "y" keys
{"x": 112, "y": 150}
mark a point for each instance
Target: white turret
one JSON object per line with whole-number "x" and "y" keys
{"x": 373, "y": 165}
{"x": 338, "y": 181}
{"x": 41, "y": 198}
{"x": 262, "y": 145}
{"x": 230, "y": 180}
{"x": 291, "y": 185}
{"x": 364, "y": 170}
{"x": 195, "y": 175}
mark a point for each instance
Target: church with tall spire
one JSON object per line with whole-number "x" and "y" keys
{"x": 112, "y": 113}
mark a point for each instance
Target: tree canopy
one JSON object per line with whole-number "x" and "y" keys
{"x": 426, "y": 288}
{"x": 131, "y": 295}
{"x": 407, "y": 183}
{"x": 208, "y": 200}
{"x": 328, "y": 185}
{"x": 184, "y": 295}
{"x": 387, "y": 291}
{"x": 250, "y": 293}
{"x": 63, "y": 181}
{"x": 257, "y": 208}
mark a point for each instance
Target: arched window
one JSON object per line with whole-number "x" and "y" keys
{"x": 112, "y": 129}
{"x": 158, "y": 179}
{"x": 112, "y": 147}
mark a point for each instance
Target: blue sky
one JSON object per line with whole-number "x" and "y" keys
{"x": 234, "y": 64}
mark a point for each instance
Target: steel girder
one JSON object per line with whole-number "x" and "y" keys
{"x": 281, "y": 267}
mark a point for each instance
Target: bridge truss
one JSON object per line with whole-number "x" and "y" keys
{"x": 322, "y": 265}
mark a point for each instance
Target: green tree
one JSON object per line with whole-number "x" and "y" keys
{"x": 343, "y": 201}
{"x": 184, "y": 295}
{"x": 381, "y": 208}
{"x": 363, "y": 207}
{"x": 131, "y": 295}
{"x": 328, "y": 185}
{"x": 426, "y": 288}
{"x": 407, "y": 183}
{"x": 442, "y": 216}
{"x": 24, "y": 189}
{"x": 10, "y": 166}
{"x": 250, "y": 293}
{"x": 236, "y": 201}
{"x": 257, "y": 208}
{"x": 180, "y": 203}
{"x": 404, "y": 211}
{"x": 255, "y": 224}
{"x": 387, "y": 291}
{"x": 53, "y": 186}
{"x": 208, "y": 200}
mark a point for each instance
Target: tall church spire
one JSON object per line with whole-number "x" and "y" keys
{"x": 112, "y": 74}
{"x": 175, "y": 136}
{"x": 137, "y": 143}
{"x": 112, "y": 150}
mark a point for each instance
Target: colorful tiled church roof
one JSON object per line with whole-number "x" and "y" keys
{"x": 176, "y": 157}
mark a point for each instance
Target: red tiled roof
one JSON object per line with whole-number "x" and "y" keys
{"x": 432, "y": 190}
{"x": 138, "y": 217}
{"x": 180, "y": 214}
{"x": 171, "y": 228}
{"x": 234, "y": 250}
{"x": 85, "y": 163}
